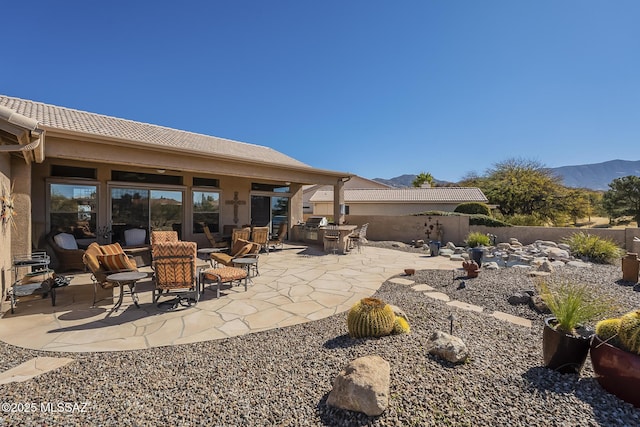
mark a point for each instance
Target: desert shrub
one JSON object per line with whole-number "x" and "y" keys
{"x": 594, "y": 248}
{"x": 473, "y": 208}
{"x": 526, "y": 220}
{"x": 475, "y": 239}
{"x": 478, "y": 219}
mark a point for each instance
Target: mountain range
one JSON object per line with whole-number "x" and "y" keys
{"x": 595, "y": 176}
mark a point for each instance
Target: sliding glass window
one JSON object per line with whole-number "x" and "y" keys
{"x": 73, "y": 209}
{"x": 206, "y": 211}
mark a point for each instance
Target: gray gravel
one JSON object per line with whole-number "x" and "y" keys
{"x": 282, "y": 377}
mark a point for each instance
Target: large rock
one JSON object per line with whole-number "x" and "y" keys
{"x": 448, "y": 347}
{"x": 546, "y": 266}
{"x": 363, "y": 386}
{"x": 539, "y": 305}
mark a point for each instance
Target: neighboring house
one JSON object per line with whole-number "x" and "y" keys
{"x": 396, "y": 201}
{"x": 95, "y": 176}
{"x": 353, "y": 183}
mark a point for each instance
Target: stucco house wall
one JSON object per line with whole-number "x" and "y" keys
{"x": 6, "y": 230}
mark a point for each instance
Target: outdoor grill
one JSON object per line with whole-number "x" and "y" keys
{"x": 312, "y": 225}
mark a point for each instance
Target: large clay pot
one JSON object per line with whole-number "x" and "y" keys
{"x": 561, "y": 352}
{"x": 617, "y": 371}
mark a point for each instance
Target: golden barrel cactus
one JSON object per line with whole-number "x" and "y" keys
{"x": 629, "y": 331}
{"x": 401, "y": 326}
{"x": 370, "y": 317}
{"x": 607, "y": 330}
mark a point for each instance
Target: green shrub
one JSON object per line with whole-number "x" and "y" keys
{"x": 572, "y": 304}
{"x": 477, "y": 239}
{"x": 594, "y": 248}
{"x": 526, "y": 220}
{"x": 473, "y": 208}
{"x": 478, "y": 219}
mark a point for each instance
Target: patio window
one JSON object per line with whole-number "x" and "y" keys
{"x": 206, "y": 211}
{"x": 73, "y": 209}
{"x": 145, "y": 208}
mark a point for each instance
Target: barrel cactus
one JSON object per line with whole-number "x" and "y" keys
{"x": 370, "y": 317}
{"x": 629, "y": 331}
{"x": 401, "y": 326}
{"x": 607, "y": 330}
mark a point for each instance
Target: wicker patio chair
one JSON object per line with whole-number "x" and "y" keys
{"x": 260, "y": 236}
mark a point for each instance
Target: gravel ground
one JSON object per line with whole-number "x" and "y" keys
{"x": 282, "y": 377}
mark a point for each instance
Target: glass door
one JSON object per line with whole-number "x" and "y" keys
{"x": 269, "y": 211}
{"x": 129, "y": 209}
{"x": 166, "y": 211}
{"x": 144, "y": 209}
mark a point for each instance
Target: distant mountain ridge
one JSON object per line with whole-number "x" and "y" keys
{"x": 595, "y": 176}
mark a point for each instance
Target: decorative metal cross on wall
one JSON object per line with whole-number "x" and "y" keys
{"x": 235, "y": 202}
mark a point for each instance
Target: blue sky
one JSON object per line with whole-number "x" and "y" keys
{"x": 376, "y": 88}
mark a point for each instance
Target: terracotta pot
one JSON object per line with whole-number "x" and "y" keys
{"x": 561, "y": 352}
{"x": 409, "y": 271}
{"x": 617, "y": 371}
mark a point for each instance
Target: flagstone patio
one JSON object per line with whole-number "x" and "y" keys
{"x": 297, "y": 284}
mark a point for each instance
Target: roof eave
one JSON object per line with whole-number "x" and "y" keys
{"x": 53, "y": 131}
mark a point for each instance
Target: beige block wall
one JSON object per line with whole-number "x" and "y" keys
{"x": 528, "y": 235}
{"x": 407, "y": 228}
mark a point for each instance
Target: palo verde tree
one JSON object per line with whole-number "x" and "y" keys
{"x": 421, "y": 178}
{"x": 623, "y": 198}
{"x": 522, "y": 187}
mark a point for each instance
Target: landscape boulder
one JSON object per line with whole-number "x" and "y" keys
{"x": 363, "y": 386}
{"x": 448, "y": 347}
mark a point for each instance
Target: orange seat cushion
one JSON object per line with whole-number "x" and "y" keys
{"x": 226, "y": 274}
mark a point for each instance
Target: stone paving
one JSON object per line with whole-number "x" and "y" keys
{"x": 295, "y": 285}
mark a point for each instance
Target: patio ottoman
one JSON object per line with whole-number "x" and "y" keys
{"x": 222, "y": 275}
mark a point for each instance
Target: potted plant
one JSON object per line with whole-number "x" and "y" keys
{"x": 566, "y": 337}
{"x": 615, "y": 356}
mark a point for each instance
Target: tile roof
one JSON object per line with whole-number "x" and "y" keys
{"x": 82, "y": 122}
{"x": 405, "y": 195}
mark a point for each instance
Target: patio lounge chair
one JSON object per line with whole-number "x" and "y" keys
{"x": 242, "y": 248}
{"x": 260, "y": 236}
{"x": 162, "y": 236}
{"x": 278, "y": 239}
{"x": 358, "y": 237}
{"x": 103, "y": 261}
{"x": 240, "y": 233}
{"x": 174, "y": 264}
{"x": 212, "y": 239}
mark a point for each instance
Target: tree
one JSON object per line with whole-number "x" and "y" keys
{"x": 623, "y": 198}
{"x": 423, "y": 177}
{"x": 522, "y": 187}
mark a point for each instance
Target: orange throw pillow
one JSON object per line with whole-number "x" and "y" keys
{"x": 115, "y": 262}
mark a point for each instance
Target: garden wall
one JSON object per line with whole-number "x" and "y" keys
{"x": 456, "y": 228}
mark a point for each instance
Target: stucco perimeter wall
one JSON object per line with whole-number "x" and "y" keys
{"x": 526, "y": 235}
{"x": 407, "y": 228}
{"x": 456, "y": 228}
